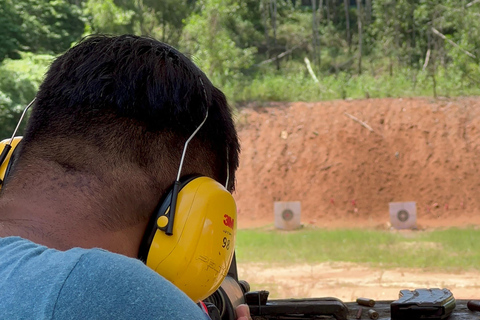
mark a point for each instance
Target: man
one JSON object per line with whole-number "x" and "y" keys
{"x": 102, "y": 146}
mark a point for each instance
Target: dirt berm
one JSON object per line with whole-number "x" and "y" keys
{"x": 346, "y": 171}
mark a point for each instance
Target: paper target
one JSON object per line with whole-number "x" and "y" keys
{"x": 403, "y": 215}
{"x": 287, "y": 215}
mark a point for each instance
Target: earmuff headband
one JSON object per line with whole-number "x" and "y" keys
{"x": 228, "y": 171}
{"x": 176, "y": 185}
{"x": 21, "y": 118}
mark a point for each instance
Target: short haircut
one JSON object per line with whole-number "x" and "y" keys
{"x": 132, "y": 99}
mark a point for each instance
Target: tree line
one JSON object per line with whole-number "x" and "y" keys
{"x": 239, "y": 41}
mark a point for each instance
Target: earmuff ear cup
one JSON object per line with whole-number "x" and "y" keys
{"x": 197, "y": 257}
{"x": 6, "y": 164}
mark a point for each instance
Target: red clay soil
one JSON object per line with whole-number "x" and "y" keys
{"x": 345, "y": 174}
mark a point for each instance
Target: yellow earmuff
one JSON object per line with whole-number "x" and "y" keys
{"x": 7, "y": 149}
{"x": 198, "y": 254}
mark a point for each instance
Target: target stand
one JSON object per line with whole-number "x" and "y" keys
{"x": 287, "y": 214}
{"x": 403, "y": 215}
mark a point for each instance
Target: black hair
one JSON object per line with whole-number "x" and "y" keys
{"x": 132, "y": 98}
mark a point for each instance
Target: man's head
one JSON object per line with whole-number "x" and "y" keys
{"x": 112, "y": 117}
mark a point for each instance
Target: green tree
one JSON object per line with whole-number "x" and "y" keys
{"x": 104, "y": 16}
{"x": 163, "y": 20}
{"x": 211, "y": 44}
{"x": 10, "y": 32}
{"x": 26, "y": 27}
{"x": 458, "y": 29}
{"x": 48, "y": 26}
{"x": 19, "y": 81}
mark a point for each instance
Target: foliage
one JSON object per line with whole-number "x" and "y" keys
{"x": 19, "y": 81}
{"x": 10, "y": 32}
{"x": 209, "y": 42}
{"x": 400, "y": 28}
{"x": 48, "y": 26}
{"x": 464, "y": 24}
{"x": 103, "y": 16}
{"x": 255, "y": 50}
{"x": 163, "y": 20}
{"x": 297, "y": 85}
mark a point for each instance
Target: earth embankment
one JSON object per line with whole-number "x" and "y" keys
{"x": 346, "y": 160}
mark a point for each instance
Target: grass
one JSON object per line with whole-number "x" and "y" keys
{"x": 297, "y": 85}
{"x": 447, "y": 250}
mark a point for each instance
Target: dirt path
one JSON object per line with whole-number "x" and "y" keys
{"x": 348, "y": 281}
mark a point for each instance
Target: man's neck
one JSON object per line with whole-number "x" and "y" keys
{"x": 107, "y": 208}
{"x": 51, "y": 223}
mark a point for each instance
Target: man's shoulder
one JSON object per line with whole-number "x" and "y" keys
{"x": 85, "y": 284}
{"x": 114, "y": 271}
{"x": 23, "y": 259}
{"x": 31, "y": 276}
{"x": 21, "y": 254}
{"x": 115, "y": 286}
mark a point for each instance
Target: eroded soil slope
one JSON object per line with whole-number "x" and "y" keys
{"x": 345, "y": 175}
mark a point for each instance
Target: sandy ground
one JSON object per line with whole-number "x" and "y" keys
{"x": 345, "y": 173}
{"x": 348, "y": 281}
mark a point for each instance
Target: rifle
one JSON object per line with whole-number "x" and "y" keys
{"x": 233, "y": 292}
{"x": 435, "y": 304}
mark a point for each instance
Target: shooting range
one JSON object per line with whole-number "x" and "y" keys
{"x": 359, "y": 130}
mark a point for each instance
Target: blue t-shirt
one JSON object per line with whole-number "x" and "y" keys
{"x": 41, "y": 283}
